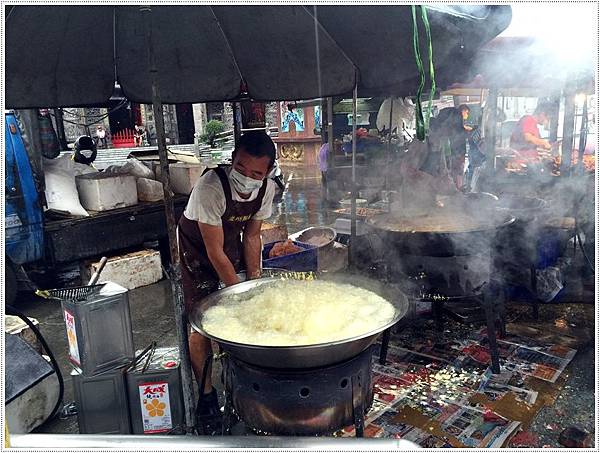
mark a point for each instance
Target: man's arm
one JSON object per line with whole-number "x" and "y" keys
{"x": 213, "y": 240}
{"x": 252, "y": 248}
{"x": 536, "y": 141}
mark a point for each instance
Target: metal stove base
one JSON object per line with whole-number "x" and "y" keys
{"x": 309, "y": 402}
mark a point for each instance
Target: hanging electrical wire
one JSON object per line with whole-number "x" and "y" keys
{"x": 101, "y": 118}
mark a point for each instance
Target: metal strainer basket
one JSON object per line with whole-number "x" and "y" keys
{"x": 75, "y": 294}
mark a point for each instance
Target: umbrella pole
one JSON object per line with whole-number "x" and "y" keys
{"x": 389, "y": 145}
{"x": 491, "y": 132}
{"x": 353, "y": 194}
{"x": 330, "y": 154}
{"x": 175, "y": 277}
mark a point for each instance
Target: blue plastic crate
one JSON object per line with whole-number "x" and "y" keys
{"x": 303, "y": 261}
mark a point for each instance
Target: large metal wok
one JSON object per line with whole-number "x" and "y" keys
{"x": 297, "y": 357}
{"x": 441, "y": 243}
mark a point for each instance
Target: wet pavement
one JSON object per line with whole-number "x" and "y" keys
{"x": 300, "y": 206}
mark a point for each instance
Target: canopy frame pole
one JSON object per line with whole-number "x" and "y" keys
{"x": 353, "y": 193}
{"x": 568, "y": 129}
{"x": 175, "y": 271}
{"x": 236, "y": 126}
{"x": 330, "y": 154}
{"x": 555, "y": 101}
{"x": 491, "y": 132}
{"x": 582, "y": 136}
{"x": 389, "y": 145}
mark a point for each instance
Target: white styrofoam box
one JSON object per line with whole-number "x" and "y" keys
{"x": 149, "y": 190}
{"x": 132, "y": 270}
{"x": 105, "y": 191}
{"x": 184, "y": 176}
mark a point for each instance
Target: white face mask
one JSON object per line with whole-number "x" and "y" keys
{"x": 244, "y": 184}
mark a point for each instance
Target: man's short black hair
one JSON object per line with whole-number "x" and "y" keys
{"x": 463, "y": 107}
{"x": 257, "y": 144}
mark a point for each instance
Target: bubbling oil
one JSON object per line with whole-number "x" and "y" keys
{"x": 297, "y": 313}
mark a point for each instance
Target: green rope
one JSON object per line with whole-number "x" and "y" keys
{"x": 431, "y": 69}
{"x": 418, "y": 108}
{"x": 423, "y": 120}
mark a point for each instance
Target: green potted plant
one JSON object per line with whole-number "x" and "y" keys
{"x": 212, "y": 129}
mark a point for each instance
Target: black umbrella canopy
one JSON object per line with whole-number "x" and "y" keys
{"x": 72, "y": 55}
{"x": 379, "y": 40}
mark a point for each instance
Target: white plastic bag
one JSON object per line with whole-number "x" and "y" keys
{"x": 132, "y": 167}
{"x": 549, "y": 283}
{"x": 61, "y": 189}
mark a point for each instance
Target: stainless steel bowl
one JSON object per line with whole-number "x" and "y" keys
{"x": 307, "y": 234}
{"x": 310, "y": 356}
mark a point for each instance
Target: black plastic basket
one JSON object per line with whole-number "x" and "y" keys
{"x": 75, "y": 294}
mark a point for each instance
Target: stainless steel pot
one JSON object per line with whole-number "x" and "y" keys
{"x": 297, "y": 357}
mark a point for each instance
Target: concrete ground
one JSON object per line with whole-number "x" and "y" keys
{"x": 300, "y": 206}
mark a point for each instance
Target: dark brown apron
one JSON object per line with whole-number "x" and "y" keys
{"x": 199, "y": 277}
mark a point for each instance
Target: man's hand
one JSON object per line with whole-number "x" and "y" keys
{"x": 536, "y": 141}
{"x": 252, "y": 248}
{"x": 214, "y": 241}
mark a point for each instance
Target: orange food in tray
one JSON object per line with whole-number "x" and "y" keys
{"x": 283, "y": 249}
{"x": 589, "y": 162}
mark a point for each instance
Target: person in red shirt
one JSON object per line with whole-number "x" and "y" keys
{"x": 526, "y": 136}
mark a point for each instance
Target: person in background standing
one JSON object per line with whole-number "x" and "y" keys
{"x": 475, "y": 153}
{"x": 465, "y": 111}
{"x": 139, "y": 134}
{"x": 323, "y": 166}
{"x": 451, "y": 135}
{"x": 101, "y": 136}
